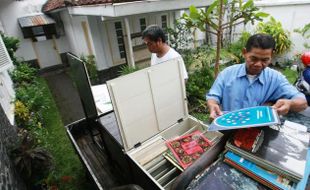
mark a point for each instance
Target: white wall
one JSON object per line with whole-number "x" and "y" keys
{"x": 9, "y": 12}
{"x": 7, "y": 94}
{"x": 74, "y": 33}
{"x": 99, "y": 40}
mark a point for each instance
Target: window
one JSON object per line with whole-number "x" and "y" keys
{"x": 37, "y": 31}
{"x": 164, "y": 24}
{"x": 5, "y": 60}
{"x": 38, "y": 27}
{"x": 120, "y": 39}
{"x": 142, "y": 24}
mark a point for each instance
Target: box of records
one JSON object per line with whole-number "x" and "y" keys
{"x": 282, "y": 151}
{"x": 150, "y": 107}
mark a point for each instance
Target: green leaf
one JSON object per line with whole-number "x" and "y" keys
{"x": 247, "y": 5}
{"x": 211, "y": 8}
{"x": 193, "y": 13}
{"x": 193, "y": 9}
{"x": 262, "y": 14}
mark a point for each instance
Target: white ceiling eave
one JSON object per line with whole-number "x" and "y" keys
{"x": 269, "y": 3}
{"x": 137, "y": 7}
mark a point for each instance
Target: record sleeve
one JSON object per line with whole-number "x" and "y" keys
{"x": 220, "y": 176}
{"x": 188, "y": 148}
{"x": 245, "y": 118}
{"x": 280, "y": 152}
{"x": 268, "y": 178}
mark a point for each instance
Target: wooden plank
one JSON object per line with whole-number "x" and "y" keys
{"x": 98, "y": 161}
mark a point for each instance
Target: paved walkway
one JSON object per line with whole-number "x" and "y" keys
{"x": 68, "y": 102}
{"x": 65, "y": 95}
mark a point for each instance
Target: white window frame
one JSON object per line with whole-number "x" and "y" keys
{"x": 5, "y": 60}
{"x": 122, "y": 37}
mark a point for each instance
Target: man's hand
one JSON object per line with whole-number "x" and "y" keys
{"x": 214, "y": 109}
{"x": 282, "y": 106}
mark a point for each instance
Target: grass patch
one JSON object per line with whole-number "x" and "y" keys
{"x": 290, "y": 74}
{"x": 68, "y": 172}
{"x": 201, "y": 116}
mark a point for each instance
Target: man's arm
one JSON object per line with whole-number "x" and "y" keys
{"x": 283, "y": 106}
{"x": 287, "y": 97}
{"x": 214, "y": 109}
{"x": 214, "y": 96}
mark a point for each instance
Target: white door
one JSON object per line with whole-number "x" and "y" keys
{"x": 47, "y": 53}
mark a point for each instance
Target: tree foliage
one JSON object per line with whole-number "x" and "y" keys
{"x": 213, "y": 17}
{"x": 305, "y": 32}
{"x": 281, "y": 36}
{"x": 180, "y": 36}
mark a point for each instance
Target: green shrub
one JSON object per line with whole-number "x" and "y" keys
{"x": 281, "y": 36}
{"x": 32, "y": 162}
{"x": 236, "y": 47}
{"x": 23, "y": 73}
{"x": 22, "y": 113}
{"x": 90, "y": 63}
{"x": 180, "y": 36}
{"x": 201, "y": 75}
{"x": 32, "y": 96}
{"x": 198, "y": 84}
{"x": 11, "y": 44}
{"x": 205, "y": 56}
{"x": 126, "y": 69}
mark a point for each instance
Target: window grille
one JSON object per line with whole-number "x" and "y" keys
{"x": 120, "y": 39}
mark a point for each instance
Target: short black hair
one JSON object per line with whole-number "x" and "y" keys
{"x": 154, "y": 33}
{"x": 262, "y": 41}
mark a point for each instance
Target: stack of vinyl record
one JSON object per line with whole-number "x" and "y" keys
{"x": 279, "y": 162}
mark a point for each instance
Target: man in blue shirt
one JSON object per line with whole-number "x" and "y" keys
{"x": 253, "y": 83}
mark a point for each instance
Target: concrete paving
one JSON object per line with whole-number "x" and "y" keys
{"x": 65, "y": 95}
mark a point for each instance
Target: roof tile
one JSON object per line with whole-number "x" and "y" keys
{"x": 51, "y": 5}
{"x": 35, "y": 20}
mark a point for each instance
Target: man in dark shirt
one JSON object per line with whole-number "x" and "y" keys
{"x": 305, "y": 58}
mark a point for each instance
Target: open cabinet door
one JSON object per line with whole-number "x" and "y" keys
{"x": 81, "y": 80}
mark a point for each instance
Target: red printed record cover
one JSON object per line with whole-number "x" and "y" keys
{"x": 189, "y": 148}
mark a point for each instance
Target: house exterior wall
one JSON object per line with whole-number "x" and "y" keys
{"x": 10, "y": 11}
{"x": 7, "y": 94}
{"x": 100, "y": 41}
{"x": 140, "y": 54}
{"x": 103, "y": 38}
{"x": 90, "y": 40}
{"x": 75, "y": 34}
{"x": 292, "y": 15}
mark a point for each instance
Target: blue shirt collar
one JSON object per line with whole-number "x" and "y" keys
{"x": 242, "y": 73}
